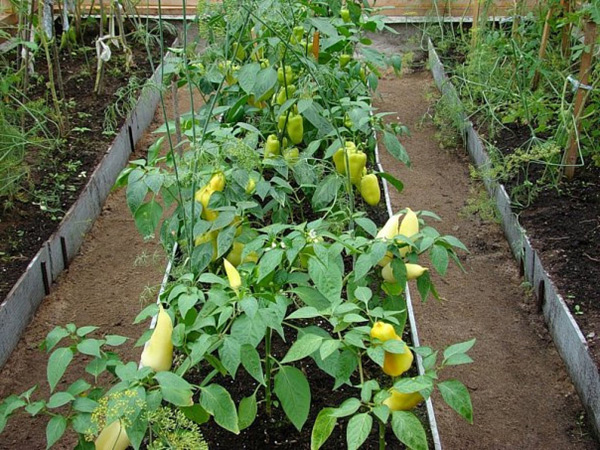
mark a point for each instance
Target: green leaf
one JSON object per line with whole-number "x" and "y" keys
{"x": 114, "y": 340}
{"x": 392, "y": 180}
{"x": 363, "y": 293}
{"x": 84, "y": 331}
{"x": 409, "y": 430}
{"x": 456, "y": 395}
{"x": 414, "y": 384}
{"x": 90, "y": 347}
{"x": 311, "y": 297}
{"x": 382, "y": 412}
{"x": 247, "y": 76}
{"x": 265, "y": 81}
{"x": 147, "y": 217}
{"x": 229, "y": 353}
{"x": 458, "y": 359}
{"x": 293, "y": 391}
{"x": 59, "y": 399}
{"x": 57, "y": 364}
{"x": 368, "y": 225}
{"x": 54, "y": 337}
{"x": 55, "y": 429}
{"x": 196, "y": 413}
{"x": 251, "y": 362}
{"x": 224, "y": 240}
{"x": 247, "y": 411}
{"x": 136, "y": 192}
{"x": 269, "y": 262}
{"x": 85, "y": 405}
{"x": 359, "y": 427}
{"x": 174, "y": 388}
{"x": 461, "y": 347}
{"x": 397, "y": 150}
{"x": 322, "y": 429}
{"x": 347, "y": 408}
{"x": 215, "y": 399}
{"x": 328, "y": 279}
{"x": 439, "y": 259}
{"x": 34, "y": 408}
{"x": 304, "y": 346}
{"x": 306, "y": 312}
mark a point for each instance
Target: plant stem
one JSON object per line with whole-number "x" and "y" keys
{"x": 381, "y": 435}
{"x": 268, "y": 370}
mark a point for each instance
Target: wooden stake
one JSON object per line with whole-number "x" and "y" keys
{"x": 567, "y": 7}
{"x": 589, "y": 40}
{"x": 543, "y": 45}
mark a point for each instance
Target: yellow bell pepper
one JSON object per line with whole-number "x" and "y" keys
{"x": 399, "y": 401}
{"x": 413, "y": 271}
{"x": 409, "y": 227}
{"x": 369, "y": 189}
{"x": 394, "y": 364}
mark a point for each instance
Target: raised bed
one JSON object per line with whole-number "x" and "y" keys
{"x": 54, "y": 256}
{"x": 567, "y": 336}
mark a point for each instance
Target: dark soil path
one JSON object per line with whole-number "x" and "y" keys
{"x": 114, "y": 276}
{"x": 522, "y": 395}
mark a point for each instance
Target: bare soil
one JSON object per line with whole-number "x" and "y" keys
{"x": 112, "y": 278}
{"x": 522, "y": 395}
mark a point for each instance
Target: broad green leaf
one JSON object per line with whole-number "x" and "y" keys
{"x": 90, "y": 347}
{"x": 414, "y": 384}
{"x": 347, "y": 408}
{"x": 265, "y": 81}
{"x": 322, "y": 429}
{"x": 269, "y": 262}
{"x": 84, "y": 331}
{"x": 196, "y": 413}
{"x": 147, "y": 217}
{"x": 304, "y": 346}
{"x": 311, "y": 297}
{"x": 293, "y": 391}
{"x": 229, "y": 353}
{"x": 393, "y": 145}
{"x": 306, "y": 312}
{"x": 215, "y": 399}
{"x": 59, "y": 399}
{"x": 409, "y": 430}
{"x": 328, "y": 280}
{"x": 359, "y": 427}
{"x": 392, "y": 180}
{"x": 461, "y": 347}
{"x": 456, "y": 395}
{"x": 439, "y": 259}
{"x": 247, "y": 76}
{"x": 174, "y": 389}
{"x": 54, "y": 430}
{"x": 247, "y": 411}
{"x": 114, "y": 340}
{"x": 251, "y": 362}
{"x": 57, "y": 364}
{"x": 54, "y": 337}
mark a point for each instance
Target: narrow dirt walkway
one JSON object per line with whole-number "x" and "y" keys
{"x": 106, "y": 285}
{"x": 522, "y": 396}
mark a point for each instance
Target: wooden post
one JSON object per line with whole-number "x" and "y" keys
{"x": 475, "y": 27}
{"x": 543, "y": 45}
{"x": 567, "y": 7}
{"x": 589, "y": 40}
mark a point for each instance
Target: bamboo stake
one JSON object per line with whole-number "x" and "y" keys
{"x": 582, "y": 92}
{"x": 543, "y": 45}
{"x": 567, "y": 7}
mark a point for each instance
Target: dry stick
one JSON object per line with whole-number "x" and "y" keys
{"x": 589, "y": 40}
{"x": 543, "y": 45}
{"x": 567, "y": 7}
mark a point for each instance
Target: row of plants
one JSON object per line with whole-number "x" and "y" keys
{"x": 287, "y": 277}
{"x": 530, "y": 86}
{"x": 519, "y": 78}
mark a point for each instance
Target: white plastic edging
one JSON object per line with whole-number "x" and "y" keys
{"x": 437, "y": 443}
{"x": 568, "y": 338}
{"x": 26, "y": 295}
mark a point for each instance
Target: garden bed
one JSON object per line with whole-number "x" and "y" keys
{"x": 543, "y": 219}
{"x": 100, "y": 157}
{"x": 58, "y": 176}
